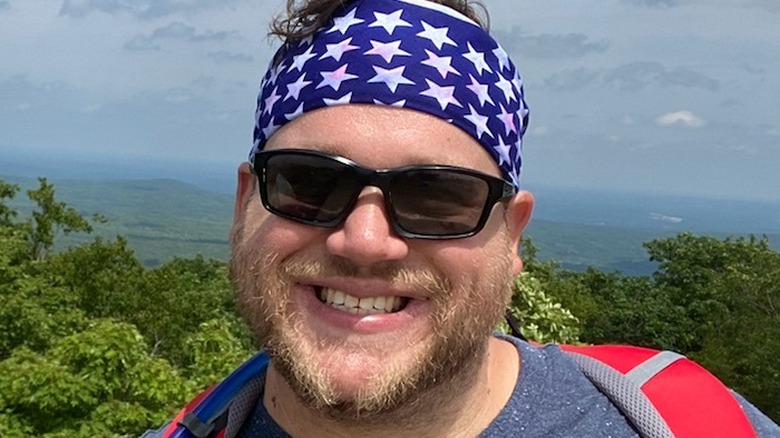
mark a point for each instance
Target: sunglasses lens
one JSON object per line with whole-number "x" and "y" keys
{"x": 309, "y": 188}
{"x": 438, "y": 202}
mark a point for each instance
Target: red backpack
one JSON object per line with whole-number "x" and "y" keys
{"x": 663, "y": 394}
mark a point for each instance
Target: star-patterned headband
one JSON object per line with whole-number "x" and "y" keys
{"x": 405, "y": 53}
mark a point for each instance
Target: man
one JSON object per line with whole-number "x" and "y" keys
{"x": 376, "y": 234}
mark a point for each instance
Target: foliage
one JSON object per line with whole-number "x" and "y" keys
{"x": 215, "y": 350}
{"x": 731, "y": 292}
{"x": 90, "y": 375}
{"x": 94, "y": 343}
{"x": 714, "y": 300}
{"x": 194, "y": 291}
{"x": 73, "y": 362}
{"x": 50, "y": 217}
{"x": 542, "y": 319}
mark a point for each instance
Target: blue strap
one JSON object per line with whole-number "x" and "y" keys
{"x": 217, "y": 401}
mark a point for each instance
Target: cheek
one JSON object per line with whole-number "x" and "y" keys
{"x": 272, "y": 234}
{"x": 481, "y": 258}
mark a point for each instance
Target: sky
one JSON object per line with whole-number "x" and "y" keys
{"x": 657, "y": 96}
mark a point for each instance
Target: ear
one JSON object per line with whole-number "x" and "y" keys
{"x": 518, "y": 215}
{"x": 245, "y": 188}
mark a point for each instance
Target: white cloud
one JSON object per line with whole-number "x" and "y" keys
{"x": 144, "y": 9}
{"x": 224, "y": 56}
{"x": 637, "y": 76}
{"x": 541, "y": 131}
{"x": 653, "y": 3}
{"x": 550, "y": 46}
{"x": 178, "y": 31}
{"x": 681, "y": 118}
{"x": 768, "y": 5}
{"x": 665, "y": 218}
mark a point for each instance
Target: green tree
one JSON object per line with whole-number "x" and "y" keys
{"x": 192, "y": 292}
{"x": 99, "y": 380}
{"x": 215, "y": 350}
{"x": 50, "y": 217}
{"x": 66, "y": 370}
{"x": 541, "y": 318}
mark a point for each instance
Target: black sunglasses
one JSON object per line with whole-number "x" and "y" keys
{"x": 423, "y": 202}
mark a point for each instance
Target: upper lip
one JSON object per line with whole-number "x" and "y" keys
{"x": 365, "y": 287}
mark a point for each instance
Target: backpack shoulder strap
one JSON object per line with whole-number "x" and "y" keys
{"x": 662, "y": 393}
{"x": 207, "y": 415}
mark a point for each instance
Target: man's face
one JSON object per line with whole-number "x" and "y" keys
{"x": 436, "y": 302}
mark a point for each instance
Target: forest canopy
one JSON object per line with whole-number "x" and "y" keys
{"x": 94, "y": 343}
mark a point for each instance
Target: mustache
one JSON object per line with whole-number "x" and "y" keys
{"x": 396, "y": 274}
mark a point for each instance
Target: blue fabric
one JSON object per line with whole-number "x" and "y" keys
{"x": 407, "y": 53}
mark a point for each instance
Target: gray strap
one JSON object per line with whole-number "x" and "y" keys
{"x": 649, "y": 368}
{"x": 243, "y": 404}
{"x": 196, "y": 427}
{"x": 626, "y": 395}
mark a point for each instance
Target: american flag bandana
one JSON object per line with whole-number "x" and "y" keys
{"x": 406, "y": 53}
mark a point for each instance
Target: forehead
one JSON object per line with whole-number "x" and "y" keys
{"x": 384, "y": 137}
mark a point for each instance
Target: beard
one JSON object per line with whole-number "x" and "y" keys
{"x": 445, "y": 364}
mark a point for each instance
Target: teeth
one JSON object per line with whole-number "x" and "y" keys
{"x": 351, "y": 301}
{"x": 360, "y": 306}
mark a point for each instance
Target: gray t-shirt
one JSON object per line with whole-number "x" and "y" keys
{"x": 552, "y": 398}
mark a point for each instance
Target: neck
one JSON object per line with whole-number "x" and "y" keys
{"x": 462, "y": 408}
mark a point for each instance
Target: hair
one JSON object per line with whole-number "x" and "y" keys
{"x": 305, "y": 17}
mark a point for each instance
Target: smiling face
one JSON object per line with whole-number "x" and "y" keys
{"x": 358, "y": 320}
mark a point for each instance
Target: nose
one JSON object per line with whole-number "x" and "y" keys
{"x": 366, "y": 236}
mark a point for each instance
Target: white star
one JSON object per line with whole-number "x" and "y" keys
{"x": 478, "y": 59}
{"x": 342, "y": 24}
{"x": 444, "y": 95}
{"x": 518, "y": 83}
{"x": 481, "y": 91}
{"x": 523, "y": 110}
{"x": 295, "y": 114}
{"x": 522, "y": 113}
{"x": 514, "y": 175}
{"x": 306, "y": 41}
{"x": 503, "y": 58}
{"x": 275, "y": 72}
{"x": 294, "y": 89}
{"x": 503, "y": 151}
{"x": 335, "y": 78}
{"x": 343, "y": 100}
{"x": 437, "y": 35}
{"x": 336, "y": 51}
{"x": 258, "y": 110}
{"x": 400, "y": 104}
{"x": 389, "y": 21}
{"x": 271, "y": 100}
{"x": 269, "y": 130}
{"x": 441, "y": 63}
{"x": 507, "y": 88}
{"x": 299, "y": 61}
{"x": 387, "y": 50}
{"x": 392, "y": 78}
{"x": 508, "y": 119}
{"x": 479, "y": 121}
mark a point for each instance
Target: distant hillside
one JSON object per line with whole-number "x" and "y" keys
{"x": 160, "y": 218}
{"x": 163, "y": 218}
